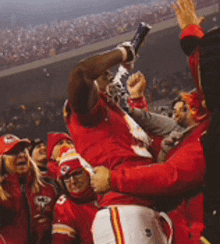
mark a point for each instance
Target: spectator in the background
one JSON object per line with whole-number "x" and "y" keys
{"x": 38, "y": 153}
{"x": 23, "y": 45}
{"x": 181, "y": 114}
{"x": 76, "y": 209}
{"x": 57, "y": 143}
{"x": 26, "y": 201}
{"x": 188, "y": 111}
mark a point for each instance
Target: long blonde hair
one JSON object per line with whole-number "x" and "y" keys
{"x": 4, "y": 195}
{"x": 4, "y": 170}
{"x": 37, "y": 174}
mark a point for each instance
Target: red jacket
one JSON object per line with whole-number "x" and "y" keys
{"x": 73, "y": 221}
{"x": 26, "y": 216}
{"x": 181, "y": 173}
{"x": 114, "y": 140}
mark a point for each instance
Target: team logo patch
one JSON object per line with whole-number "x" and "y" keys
{"x": 42, "y": 201}
{"x": 65, "y": 169}
{"x": 10, "y": 139}
{"x": 62, "y": 199}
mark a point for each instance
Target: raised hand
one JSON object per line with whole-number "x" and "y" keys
{"x": 186, "y": 13}
{"x": 136, "y": 85}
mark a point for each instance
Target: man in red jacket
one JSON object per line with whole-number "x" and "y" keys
{"x": 105, "y": 135}
{"x": 76, "y": 209}
{"x": 26, "y": 201}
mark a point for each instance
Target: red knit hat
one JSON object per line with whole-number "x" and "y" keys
{"x": 69, "y": 162}
{"x": 52, "y": 139}
{"x": 9, "y": 142}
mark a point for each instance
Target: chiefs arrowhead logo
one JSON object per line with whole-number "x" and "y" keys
{"x": 42, "y": 201}
{"x": 65, "y": 169}
{"x": 10, "y": 139}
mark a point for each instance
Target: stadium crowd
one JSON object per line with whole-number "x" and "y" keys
{"x": 122, "y": 173}
{"x": 23, "y": 45}
{"x": 30, "y": 119}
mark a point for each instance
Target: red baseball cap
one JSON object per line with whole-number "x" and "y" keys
{"x": 9, "y": 142}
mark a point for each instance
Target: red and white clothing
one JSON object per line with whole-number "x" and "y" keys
{"x": 114, "y": 141}
{"x": 26, "y": 217}
{"x": 72, "y": 221}
{"x": 182, "y": 172}
{"x": 131, "y": 224}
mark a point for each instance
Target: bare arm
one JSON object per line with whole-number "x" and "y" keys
{"x": 83, "y": 94}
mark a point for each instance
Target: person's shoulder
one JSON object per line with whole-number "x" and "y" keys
{"x": 66, "y": 202}
{"x": 62, "y": 200}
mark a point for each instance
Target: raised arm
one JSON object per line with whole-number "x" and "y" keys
{"x": 189, "y": 23}
{"x": 83, "y": 92}
{"x": 150, "y": 122}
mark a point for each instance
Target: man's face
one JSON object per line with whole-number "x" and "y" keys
{"x": 77, "y": 182}
{"x": 57, "y": 149}
{"x": 39, "y": 154}
{"x": 17, "y": 161}
{"x": 180, "y": 113}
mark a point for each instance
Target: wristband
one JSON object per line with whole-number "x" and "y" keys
{"x": 124, "y": 52}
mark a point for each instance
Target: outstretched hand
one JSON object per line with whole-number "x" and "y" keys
{"x": 186, "y": 13}
{"x": 136, "y": 85}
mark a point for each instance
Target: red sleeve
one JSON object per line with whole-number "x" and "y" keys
{"x": 192, "y": 31}
{"x": 183, "y": 171}
{"x": 140, "y": 103}
{"x": 190, "y": 41}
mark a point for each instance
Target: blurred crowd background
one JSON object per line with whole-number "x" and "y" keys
{"x": 21, "y": 45}
{"x": 37, "y": 118}
{"x": 24, "y": 44}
